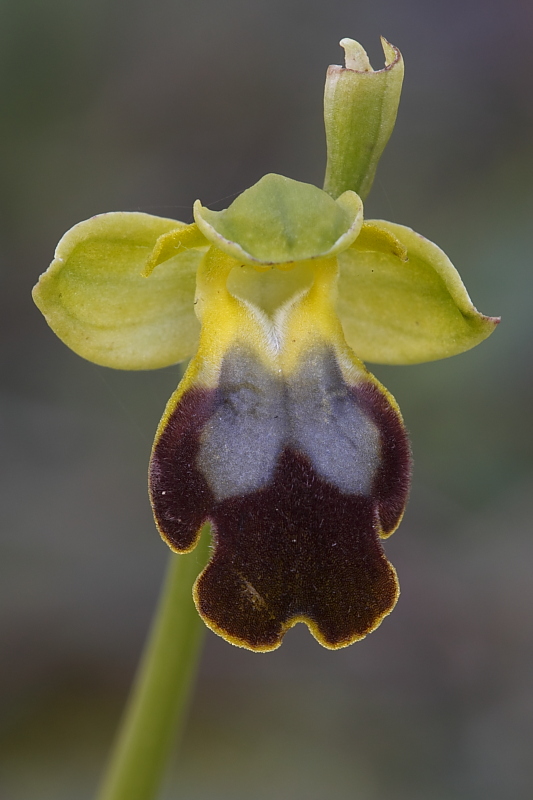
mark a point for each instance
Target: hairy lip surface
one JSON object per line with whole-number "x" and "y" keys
{"x": 296, "y": 547}
{"x": 312, "y": 412}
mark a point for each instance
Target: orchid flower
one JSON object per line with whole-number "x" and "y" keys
{"x": 277, "y": 434}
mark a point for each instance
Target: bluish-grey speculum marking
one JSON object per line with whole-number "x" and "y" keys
{"x": 241, "y": 442}
{"x": 258, "y": 415}
{"x": 329, "y": 427}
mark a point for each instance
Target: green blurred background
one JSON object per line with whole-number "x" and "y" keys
{"x": 138, "y": 105}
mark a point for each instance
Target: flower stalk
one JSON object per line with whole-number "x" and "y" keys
{"x": 160, "y": 696}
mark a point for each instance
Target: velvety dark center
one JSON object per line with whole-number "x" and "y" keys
{"x": 299, "y": 479}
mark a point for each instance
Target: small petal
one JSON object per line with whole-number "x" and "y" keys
{"x": 174, "y": 243}
{"x": 280, "y": 221}
{"x": 396, "y": 311}
{"x": 377, "y": 239}
{"x": 96, "y": 299}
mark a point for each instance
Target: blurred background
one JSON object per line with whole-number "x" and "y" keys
{"x": 137, "y": 105}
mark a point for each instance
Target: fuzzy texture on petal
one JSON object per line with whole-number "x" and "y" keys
{"x": 397, "y": 310}
{"x": 298, "y": 456}
{"x": 95, "y": 298}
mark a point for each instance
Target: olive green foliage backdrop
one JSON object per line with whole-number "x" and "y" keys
{"x": 134, "y": 105}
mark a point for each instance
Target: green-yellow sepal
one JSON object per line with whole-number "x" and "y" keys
{"x": 406, "y": 310}
{"x": 281, "y": 221}
{"x": 96, "y": 299}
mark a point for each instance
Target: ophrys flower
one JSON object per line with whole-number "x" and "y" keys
{"x": 277, "y": 433}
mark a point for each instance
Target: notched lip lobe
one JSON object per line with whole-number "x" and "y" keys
{"x": 184, "y": 440}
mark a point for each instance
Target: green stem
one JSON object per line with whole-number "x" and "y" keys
{"x": 158, "y": 700}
